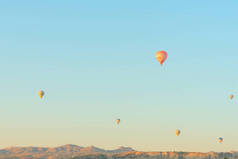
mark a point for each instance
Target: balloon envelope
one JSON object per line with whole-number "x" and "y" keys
{"x": 118, "y": 121}
{"x": 177, "y": 132}
{"x": 161, "y": 56}
{"x": 41, "y": 93}
{"x": 220, "y": 140}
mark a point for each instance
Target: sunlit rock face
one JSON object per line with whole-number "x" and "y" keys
{"x": 78, "y": 152}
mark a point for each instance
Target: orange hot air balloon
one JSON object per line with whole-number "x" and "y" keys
{"x": 161, "y": 56}
{"x": 41, "y": 94}
{"x": 220, "y": 140}
{"x": 118, "y": 121}
{"x": 231, "y": 96}
{"x": 177, "y": 132}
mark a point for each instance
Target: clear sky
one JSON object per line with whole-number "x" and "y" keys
{"x": 96, "y": 62}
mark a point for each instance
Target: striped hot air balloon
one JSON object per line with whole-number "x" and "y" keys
{"x": 161, "y": 56}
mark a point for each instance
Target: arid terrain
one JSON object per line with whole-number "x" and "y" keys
{"x": 78, "y": 152}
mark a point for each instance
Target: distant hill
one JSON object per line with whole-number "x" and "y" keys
{"x": 78, "y": 152}
{"x": 61, "y": 152}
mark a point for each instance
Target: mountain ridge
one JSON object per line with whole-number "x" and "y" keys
{"x": 71, "y": 151}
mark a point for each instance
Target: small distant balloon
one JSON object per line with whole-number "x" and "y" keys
{"x": 161, "y": 56}
{"x": 177, "y": 132}
{"x": 231, "y": 96}
{"x": 118, "y": 121}
{"x": 220, "y": 140}
{"x": 41, "y": 94}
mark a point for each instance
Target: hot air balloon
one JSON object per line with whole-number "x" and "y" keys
{"x": 118, "y": 121}
{"x": 177, "y": 132}
{"x": 41, "y": 94}
{"x": 220, "y": 140}
{"x": 231, "y": 96}
{"x": 161, "y": 56}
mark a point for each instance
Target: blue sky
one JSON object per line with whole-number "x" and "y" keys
{"x": 96, "y": 62}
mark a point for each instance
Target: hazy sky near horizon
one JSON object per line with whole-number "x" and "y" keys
{"x": 96, "y": 62}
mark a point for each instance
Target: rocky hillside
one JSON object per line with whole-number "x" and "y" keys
{"x": 161, "y": 155}
{"x": 62, "y": 152}
{"x": 78, "y": 152}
